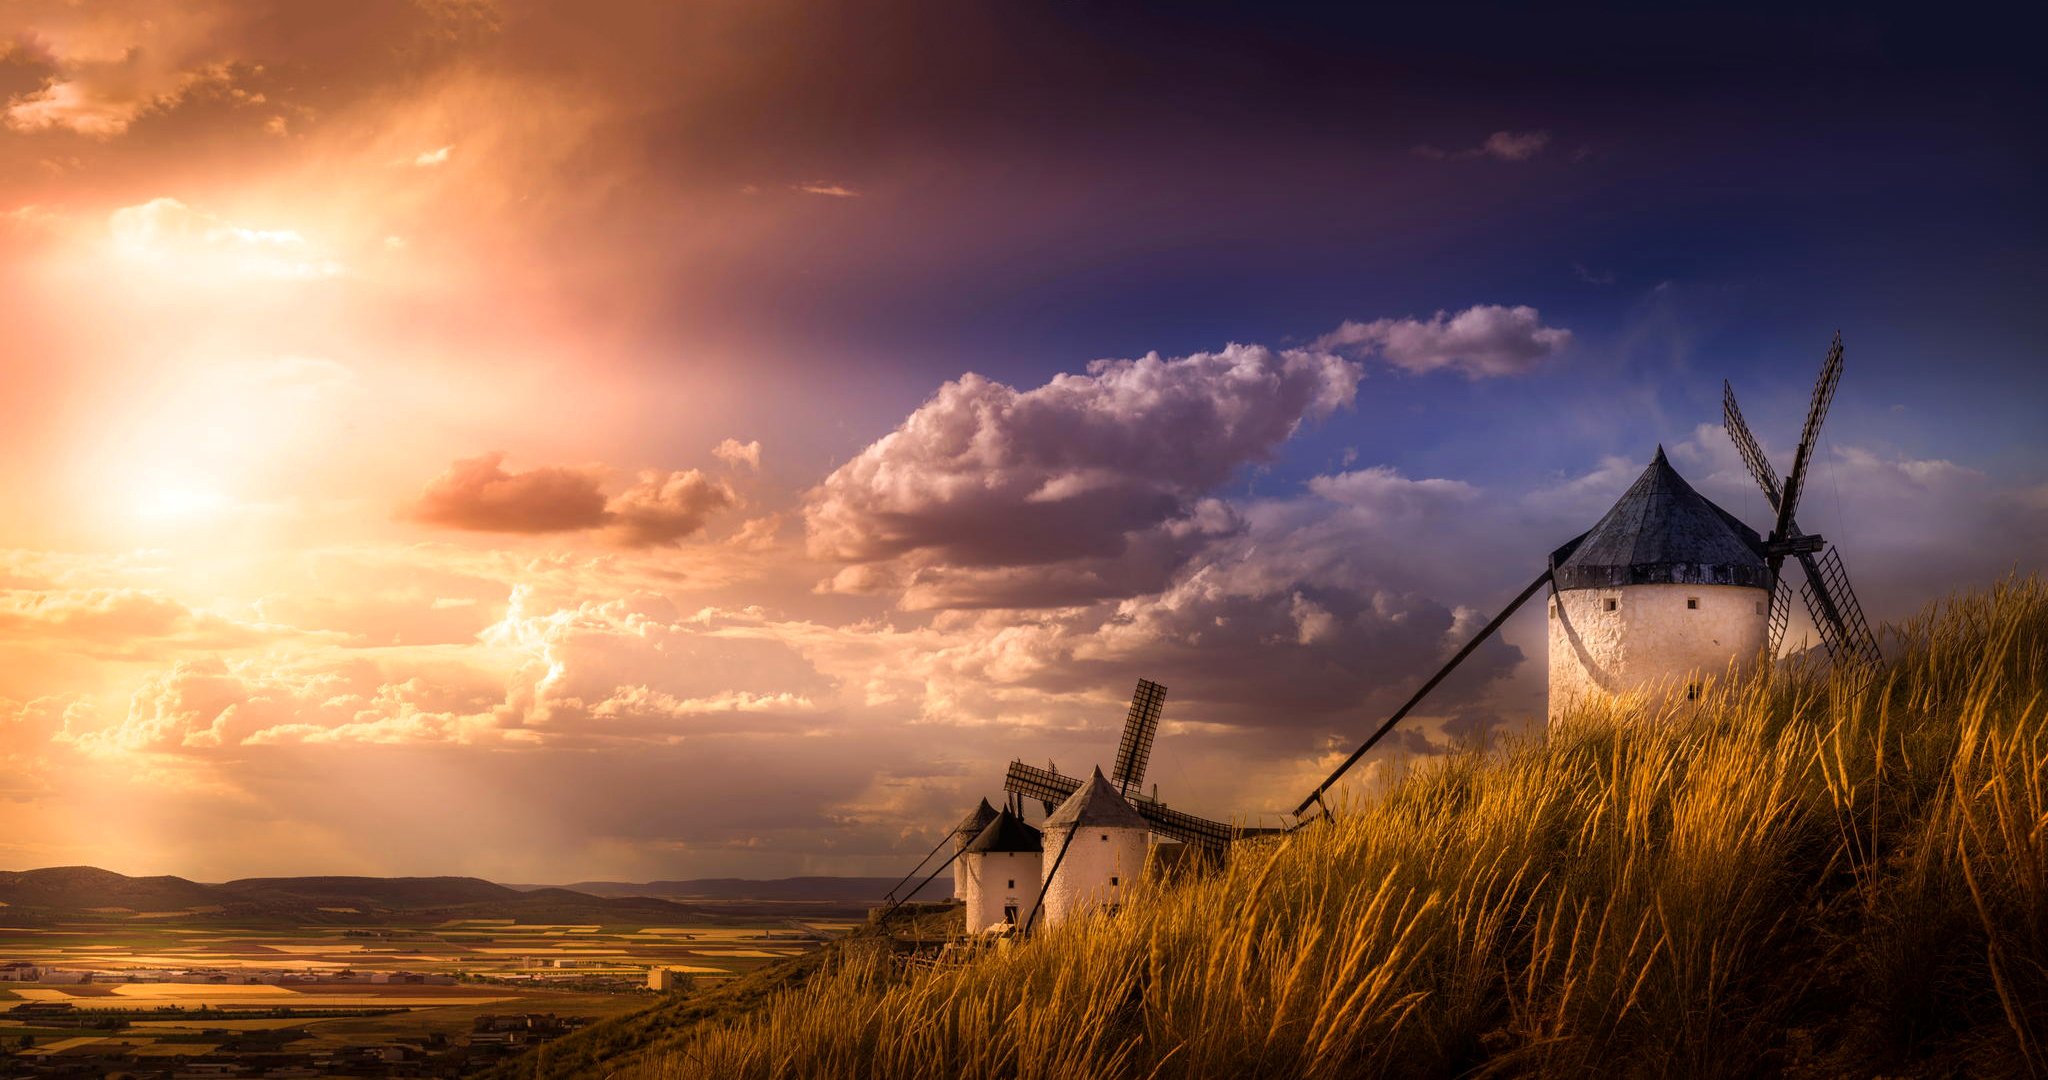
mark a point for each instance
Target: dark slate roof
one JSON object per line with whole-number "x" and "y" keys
{"x": 1662, "y": 532}
{"x": 1007, "y": 832}
{"x": 971, "y": 825}
{"x": 1096, "y": 805}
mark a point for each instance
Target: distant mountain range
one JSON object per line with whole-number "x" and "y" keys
{"x": 76, "y": 892}
{"x": 820, "y": 889}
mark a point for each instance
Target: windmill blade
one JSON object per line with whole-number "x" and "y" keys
{"x": 1816, "y": 411}
{"x": 1746, "y": 445}
{"x": 1836, "y": 612}
{"x": 1135, "y": 749}
{"x": 1781, "y": 612}
{"x": 1044, "y": 785}
{"x": 1053, "y": 788}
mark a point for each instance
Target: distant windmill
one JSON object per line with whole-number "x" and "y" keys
{"x": 1051, "y": 787}
{"x": 1667, "y": 585}
{"x": 1133, "y": 753}
{"x": 1829, "y": 599}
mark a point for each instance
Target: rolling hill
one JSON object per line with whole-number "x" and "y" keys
{"x": 85, "y": 892}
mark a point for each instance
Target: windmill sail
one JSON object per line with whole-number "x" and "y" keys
{"x": 1816, "y": 411}
{"x": 1746, "y": 445}
{"x": 1836, "y": 611}
{"x": 1048, "y": 786}
{"x": 1829, "y": 599}
{"x": 1135, "y": 749}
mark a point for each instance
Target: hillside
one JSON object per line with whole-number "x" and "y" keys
{"x": 1802, "y": 876}
{"x": 76, "y": 892}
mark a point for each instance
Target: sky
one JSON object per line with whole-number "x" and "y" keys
{"x": 651, "y": 440}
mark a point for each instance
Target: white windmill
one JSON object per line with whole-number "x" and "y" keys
{"x": 1668, "y": 587}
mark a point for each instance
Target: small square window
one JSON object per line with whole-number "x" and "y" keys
{"x": 1692, "y": 691}
{"x": 1013, "y": 883}
{"x": 1112, "y": 883}
{"x": 1692, "y": 603}
{"x": 1105, "y": 836}
{"x": 1609, "y": 604}
{"x": 1553, "y": 610}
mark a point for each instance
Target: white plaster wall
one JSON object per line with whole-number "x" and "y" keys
{"x": 1651, "y": 641}
{"x": 1082, "y": 882}
{"x": 996, "y": 880}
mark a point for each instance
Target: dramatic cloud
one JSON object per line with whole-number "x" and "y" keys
{"x": 1481, "y": 341}
{"x": 665, "y": 507}
{"x": 99, "y": 75}
{"x": 986, "y": 476}
{"x": 478, "y": 494}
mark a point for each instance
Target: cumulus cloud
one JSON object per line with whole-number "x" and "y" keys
{"x": 985, "y": 476}
{"x": 116, "y": 622}
{"x": 480, "y": 495}
{"x": 1481, "y": 341}
{"x": 430, "y": 158}
{"x": 666, "y": 507}
{"x": 736, "y": 453}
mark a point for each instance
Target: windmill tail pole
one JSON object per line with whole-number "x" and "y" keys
{"x": 1046, "y": 885}
{"x": 1316, "y": 796}
{"x": 913, "y": 870}
{"x": 891, "y": 909}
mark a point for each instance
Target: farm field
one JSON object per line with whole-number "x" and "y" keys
{"x": 147, "y": 972}
{"x": 493, "y": 949}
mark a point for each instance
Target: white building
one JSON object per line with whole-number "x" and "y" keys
{"x": 1095, "y": 848}
{"x": 969, "y": 828}
{"x": 1666, "y": 591}
{"x": 1000, "y": 874}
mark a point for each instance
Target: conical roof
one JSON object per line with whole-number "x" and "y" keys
{"x": 976, "y": 820}
{"x": 1096, "y": 805}
{"x": 1662, "y": 532}
{"x": 1007, "y": 832}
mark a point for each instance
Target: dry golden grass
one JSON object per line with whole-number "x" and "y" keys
{"x": 1800, "y": 875}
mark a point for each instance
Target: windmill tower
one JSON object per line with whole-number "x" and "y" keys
{"x": 1000, "y": 874}
{"x": 1098, "y": 843}
{"x": 1668, "y": 586}
{"x": 964, "y": 833}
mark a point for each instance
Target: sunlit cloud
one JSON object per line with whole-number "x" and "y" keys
{"x": 820, "y": 187}
{"x": 168, "y": 235}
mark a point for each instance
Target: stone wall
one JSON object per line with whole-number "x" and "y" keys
{"x": 996, "y": 880}
{"x": 1100, "y": 866}
{"x": 1652, "y": 641}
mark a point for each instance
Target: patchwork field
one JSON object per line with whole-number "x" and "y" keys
{"x": 499, "y": 966}
{"x": 495, "y": 949}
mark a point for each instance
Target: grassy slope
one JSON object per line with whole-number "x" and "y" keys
{"x": 1802, "y": 877}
